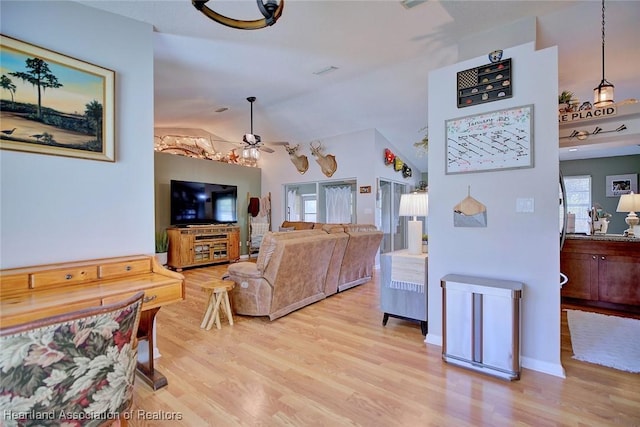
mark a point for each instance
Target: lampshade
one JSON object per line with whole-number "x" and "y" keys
{"x": 629, "y": 203}
{"x": 414, "y": 204}
{"x": 603, "y": 94}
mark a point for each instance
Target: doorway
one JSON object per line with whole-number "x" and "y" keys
{"x": 392, "y": 225}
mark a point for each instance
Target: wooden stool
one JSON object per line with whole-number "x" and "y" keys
{"x": 218, "y": 294}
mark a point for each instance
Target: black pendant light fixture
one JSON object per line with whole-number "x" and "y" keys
{"x": 603, "y": 94}
{"x": 271, "y": 10}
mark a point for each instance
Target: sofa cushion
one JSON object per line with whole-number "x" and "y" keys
{"x": 298, "y": 225}
{"x": 333, "y": 228}
{"x": 348, "y": 228}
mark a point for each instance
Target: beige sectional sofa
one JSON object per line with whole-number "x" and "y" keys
{"x": 359, "y": 247}
{"x": 300, "y": 267}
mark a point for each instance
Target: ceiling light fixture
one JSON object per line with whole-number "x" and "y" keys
{"x": 271, "y": 10}
{"x": 583, "y": 134}
{"x": 603, "y": 94}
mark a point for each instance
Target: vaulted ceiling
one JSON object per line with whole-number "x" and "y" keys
{"x": 382, "y": 51}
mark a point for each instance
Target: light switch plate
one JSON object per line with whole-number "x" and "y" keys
{"x": 525, "y": 205}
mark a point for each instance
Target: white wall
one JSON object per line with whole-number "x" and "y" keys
{"x": 56, "y": 209}
{"x": 514, "y": 246}
{"x": 359, "y": 156}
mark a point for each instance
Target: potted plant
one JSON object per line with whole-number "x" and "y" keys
{"x": 162, "y": 246}
{"x": 425, "y": 243}
{"x": 563, "y": 100}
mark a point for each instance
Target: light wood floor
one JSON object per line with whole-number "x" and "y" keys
{"x": 334, "y": 364}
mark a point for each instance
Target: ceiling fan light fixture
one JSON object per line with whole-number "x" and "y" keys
{"x": 251, "y": 153}
{"x": 271, "y": 10}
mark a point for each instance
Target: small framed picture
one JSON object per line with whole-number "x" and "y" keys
{"x": 618, "y": 185}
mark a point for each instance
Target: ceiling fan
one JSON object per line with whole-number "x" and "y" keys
{"x": 251, "y": 140}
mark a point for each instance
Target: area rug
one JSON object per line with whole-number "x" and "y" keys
{"x": 611, "y": 341}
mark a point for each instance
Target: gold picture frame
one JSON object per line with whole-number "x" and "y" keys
{"x": 54, "y": 104}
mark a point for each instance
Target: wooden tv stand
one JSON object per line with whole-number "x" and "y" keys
{"x": 202, "y": 244}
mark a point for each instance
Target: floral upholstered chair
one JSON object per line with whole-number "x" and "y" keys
{"x": 75, "y": 369}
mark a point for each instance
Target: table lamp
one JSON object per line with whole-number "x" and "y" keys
{"x": 414, "y": 205}
{"x": 628, "y": 203}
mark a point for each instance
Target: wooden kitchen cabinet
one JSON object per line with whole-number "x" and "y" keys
{"x": 603, "y": 272}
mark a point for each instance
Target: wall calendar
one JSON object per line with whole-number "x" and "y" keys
{"x": 497, "y": 140}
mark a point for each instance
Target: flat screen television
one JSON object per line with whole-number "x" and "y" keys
{"x": 203, "y": 203}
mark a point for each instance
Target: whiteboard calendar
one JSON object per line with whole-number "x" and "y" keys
{"x": 496, "y": 140}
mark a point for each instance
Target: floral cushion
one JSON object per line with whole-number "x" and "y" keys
{"x": 71, "y": 371}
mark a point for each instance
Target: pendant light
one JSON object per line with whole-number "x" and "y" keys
{"x": 603, "y": 94}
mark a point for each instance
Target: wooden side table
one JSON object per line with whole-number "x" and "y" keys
{"x": 218, "y": 291}
{"x": 403, "y": 289}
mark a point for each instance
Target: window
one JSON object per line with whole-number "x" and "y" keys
{"x": 309, "y": 207}
{"x": 226, "y": 208}
{"x": 578, "y": 200}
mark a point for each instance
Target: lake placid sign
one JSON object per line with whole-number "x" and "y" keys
{"x": 596, "y": 113}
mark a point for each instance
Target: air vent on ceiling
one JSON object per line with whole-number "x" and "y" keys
{"x": 408, "y": 4}
{"x": 325, "y": 70}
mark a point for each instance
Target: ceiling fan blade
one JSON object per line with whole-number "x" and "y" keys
{"x": 278, "y": 143}
{"x": 266, "y": 149}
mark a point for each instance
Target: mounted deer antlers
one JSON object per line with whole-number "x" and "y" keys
{"x": 300, "y": 161}
{"x": 327, "y": 162}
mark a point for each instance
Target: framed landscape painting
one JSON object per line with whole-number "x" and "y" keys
{"x": 54, "y": 104}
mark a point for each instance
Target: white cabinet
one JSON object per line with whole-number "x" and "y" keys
{"x": 403, "y": 289}
{"x": 481, "y": 324}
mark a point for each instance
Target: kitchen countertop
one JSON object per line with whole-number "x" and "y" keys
{"x": 604, "y": 237}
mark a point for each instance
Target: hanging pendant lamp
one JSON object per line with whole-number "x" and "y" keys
{"x": 603, "y": 94}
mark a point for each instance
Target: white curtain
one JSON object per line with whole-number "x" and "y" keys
{"x": 338, "y": 201}
{"x": 292, "y": 206}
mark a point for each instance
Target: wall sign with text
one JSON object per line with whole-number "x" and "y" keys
{"x": 596, "y": 113}
{"x": 496, "y": 140}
